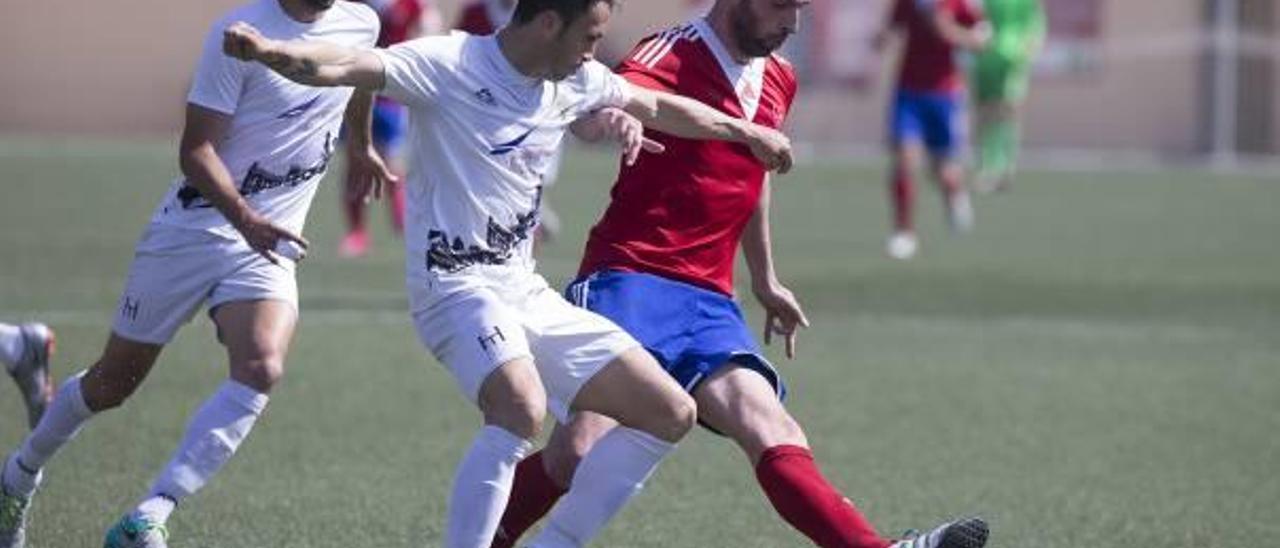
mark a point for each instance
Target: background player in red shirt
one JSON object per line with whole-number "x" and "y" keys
{"x": 659, "y": 263}
{"x": 401, "y": 20}
{"x": 928, "y": 109}
{"x": 482, "y": 17}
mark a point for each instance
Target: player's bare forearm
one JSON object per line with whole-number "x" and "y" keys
{"x": 757, "y": 247}
{"x": 309, "y": 62}
{"x": 205, "y": 171}
{"x": 684, "y": 117}
{"x": 957, "y": 35}
{"x": 358, "y": 119}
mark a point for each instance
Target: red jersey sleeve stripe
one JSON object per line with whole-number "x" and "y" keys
{"x": 683, "y": 33}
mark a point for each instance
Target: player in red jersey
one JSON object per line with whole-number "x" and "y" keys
{"x": 400, "y": 20}
{"x": 482, "y": 17}
{"x": 928, "y": 110}
{"x": 659, "y": 263}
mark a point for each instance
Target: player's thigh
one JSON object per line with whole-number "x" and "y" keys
{"x": 633, "y": 390}
{"x": 481, "y": 341}
{"x": 741, "y": 403}
{"x": 570, "y": 442}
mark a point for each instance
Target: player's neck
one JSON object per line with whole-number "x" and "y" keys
{"x": 520, "y": 50}
{"x": 301, "y": 11}
{"x": 718, "y": 20}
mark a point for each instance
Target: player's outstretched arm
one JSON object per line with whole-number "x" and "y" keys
{"x": 367, "y": 171}
{"x": 684, "y": 117}
{"x": 313, "y": 63}
{"x": 957, "y": 35}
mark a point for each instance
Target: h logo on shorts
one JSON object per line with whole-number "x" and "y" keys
{"x": 487, "y": 342}
{"x": 129, "y": 308}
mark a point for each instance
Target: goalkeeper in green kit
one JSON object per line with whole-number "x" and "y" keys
{"x": 1001, "y": 75}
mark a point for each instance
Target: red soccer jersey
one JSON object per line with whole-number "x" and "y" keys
{"x": 929, "y": 63}
{"x": 679, "y": 214}
{"x": 475, "y": 19}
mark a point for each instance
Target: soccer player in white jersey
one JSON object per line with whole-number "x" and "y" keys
{"x": 25, "y": 351}
{"x": 486, "y": 116}
{"x": 226, "y": 235}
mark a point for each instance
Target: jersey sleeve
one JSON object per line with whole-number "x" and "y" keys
{"x": 219, "y": 78}
{"x": 413, "y": 70}
{"x": 604, "y": 88}
{"x": 634, "y": 69}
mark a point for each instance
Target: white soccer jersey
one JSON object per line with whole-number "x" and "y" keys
{"x": 482, "y": 138}
{"x": 282, "y": 134}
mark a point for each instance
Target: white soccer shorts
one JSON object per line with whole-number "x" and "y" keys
{"x": 488, "y": 316}
{"x": 175, "y": 270}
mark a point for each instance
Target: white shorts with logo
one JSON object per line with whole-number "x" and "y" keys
{"x": 176, "y": 270}
{"x": 486, "y": 316}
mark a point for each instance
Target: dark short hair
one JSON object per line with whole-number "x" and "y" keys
{"x": 568, "y": 10}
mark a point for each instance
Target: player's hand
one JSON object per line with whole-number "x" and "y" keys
{"x": 266, "y": 237}
{"x": 982, "y": 34}
{"x": 242, "y": 41}
{"x": 783, "y": 315}
{"x": 616, "y": 125}
{"x": 771, "y": 147}
{"x": 367, "y": 173}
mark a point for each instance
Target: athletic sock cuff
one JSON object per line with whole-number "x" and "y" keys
{"x": 251, "y": 400}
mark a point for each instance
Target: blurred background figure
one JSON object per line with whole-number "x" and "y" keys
{"x": 1001, "y": 77}
{"x": 401, "y": 20}
{"x": 927, "y": 112}
{"x": 25, "y": 351}
{"x": 482, "y": 17}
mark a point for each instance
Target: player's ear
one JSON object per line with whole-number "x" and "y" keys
{"x": 549, "y": 24}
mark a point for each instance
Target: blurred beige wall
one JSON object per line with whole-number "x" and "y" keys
{"x": 121, "y": 68}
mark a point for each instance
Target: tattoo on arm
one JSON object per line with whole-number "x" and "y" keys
{"x": 291, "y": 68}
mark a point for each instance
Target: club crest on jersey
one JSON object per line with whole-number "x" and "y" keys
{"x": 485, "y": 96}
{"x": 298, "y": 110}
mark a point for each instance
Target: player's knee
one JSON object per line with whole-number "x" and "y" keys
{"x": 261, "y": 374}
{"x": 679, "y": 414}
{"x": 522, "y": 416}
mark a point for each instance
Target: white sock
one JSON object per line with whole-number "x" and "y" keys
{"x": 214, "y": 433}
{"x": 610, "y": 474}
{"x": 481, "y": 487}
{"x": 10, "y": 344}
{"x": 61, "y": 422}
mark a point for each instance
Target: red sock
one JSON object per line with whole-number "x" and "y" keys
{"x": 902, "y": 194}
{"x": 532, "y": 495}
{"x": 803, "y": 497}
{"x": 353, "y": 210}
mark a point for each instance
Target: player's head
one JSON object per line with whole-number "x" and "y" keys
{"x": 761, "y": 26}
{"x": 319, "y": 4}
{"x": 571, "y": 30}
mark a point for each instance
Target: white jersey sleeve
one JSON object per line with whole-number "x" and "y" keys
{"x": 603, "y": 88}
{"x": 414, "y": 69}
{"x": 218, "y": 78}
